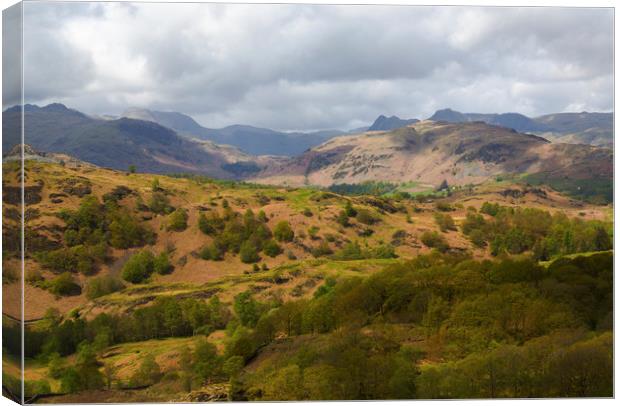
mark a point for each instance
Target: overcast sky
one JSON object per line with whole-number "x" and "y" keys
{"x": 298, "y": 67}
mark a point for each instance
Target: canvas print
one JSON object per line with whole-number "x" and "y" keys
{"x": 257, "y": 202}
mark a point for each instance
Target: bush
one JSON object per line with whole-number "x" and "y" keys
{"x": 139, "y": 267}
{"x": 177, "y": 221}
{"x": 445, "y": 222}
{"x": 248, "y": 253}
{"x": 159, "y": 203}
{"x": 321, "y": 250}
{"x": 212, "y": 252}
{"x": 283, "y": 231}
{"x": 161, "y": 264}
{"x": 349, "y": 210}
{"x": 443, "y": 206}
{"x": 272, "y": 248}
{"x": 477, "y": 238}
{"x": 126, "y": 232}
{"x": 343, "y": 219}
{"x": 64, "y": 285}
{"x": 366, "y": 217}
{"x": 102, "y": 285}
{"x": 204, "y": 225}
{"x": 148, "y": 373}
{"x": 307, "y": 212}
{"x": 434, "y": 240}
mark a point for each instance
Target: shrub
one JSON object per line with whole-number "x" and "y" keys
{"x": 64, "y": 285}
{"x": 434, "y": 240}
{"x": 384, "y": 251}
{"x": 148, "y": 373}
{"x": 248, "y": 253}
{"x": 102, "y": 285}
{"x": 445, "y": 222}
{"x": 126, "y": 232}
{"x": 212, "y": 252}
{"x": 307, "y": 212}
{"x": 343, "y": 219}
{"x": 272, "y": 248}
{"x": 204, "y": 225}
{"x": 283, "y": 231}
{"x": 177, "y": 221}
{"x": 349, "y": 210}
{"x": 262, "y": 217}
{"x": 477, "y": 238}
{"x": 443, "y": 206}
{"x": 159, "y": 203}
{"x": 139, "y": 267}
{"x": 161, "y": 264}
{"x": 322, "y": 250}
{"x": 365, "y": 216}
{"x": 313, "y": 232}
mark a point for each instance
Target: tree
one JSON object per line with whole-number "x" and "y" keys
{"x": 283, "y": 231}
{"x": 248, "y": 253}
{"x": 109, "y": 373}
{"x": 88, "y": 368}
{"x": 207, "y": 364}
{"x": 70, "y": 382}
{"x": 186, "y": 363}
{"x": 247, "y": 309}
{"x": 132, "y": 168}
{"x": 233, "y": 366}
{"x": 602, "y": 242}
{"x": 56, "y": 366}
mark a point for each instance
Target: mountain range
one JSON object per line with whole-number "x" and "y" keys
{"x": 119, "y": 143}
{"x": 457, "y": 147}
{"x": 574, "y": 128}
{"x": 253, "y": 140}
{"x": 431, "y": 152}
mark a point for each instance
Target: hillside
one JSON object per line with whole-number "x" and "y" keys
{"x": 431, "y": 152}
{"x": 122, "y": 142}
{"x": 180, "y": 267}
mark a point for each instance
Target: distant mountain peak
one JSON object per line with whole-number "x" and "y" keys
{"x": 383, "y": 123}
{"x": 449, "y": 115}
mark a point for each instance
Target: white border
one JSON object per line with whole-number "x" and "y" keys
{"x": 506, "y": 3}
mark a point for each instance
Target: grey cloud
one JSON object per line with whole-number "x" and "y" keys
{"x": 294, "y": 67}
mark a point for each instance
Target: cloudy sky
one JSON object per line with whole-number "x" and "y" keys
{"x": 302, "y": 67}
